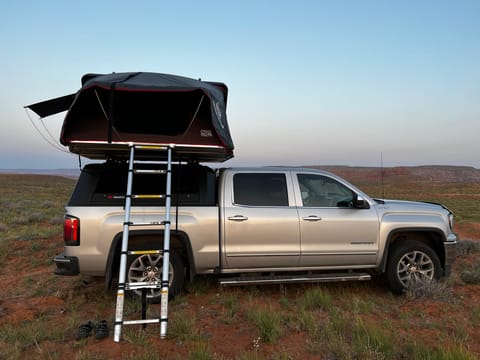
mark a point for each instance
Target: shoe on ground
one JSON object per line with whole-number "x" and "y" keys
{"x": 101, "y": 330}
{"x": 84, "y": 330}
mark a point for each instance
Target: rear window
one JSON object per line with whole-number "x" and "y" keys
{"x": 264, "y": 189}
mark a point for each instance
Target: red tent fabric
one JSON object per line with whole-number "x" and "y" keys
{"x": 112, "y": 111}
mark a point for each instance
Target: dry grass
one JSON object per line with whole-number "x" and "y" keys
{"x": 40, "y": 313}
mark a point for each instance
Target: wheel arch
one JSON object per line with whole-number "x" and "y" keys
{"x": 432, "y": 237}
{"x": 142, "y": 239}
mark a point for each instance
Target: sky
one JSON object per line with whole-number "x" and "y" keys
{"x": 310, "y": 82}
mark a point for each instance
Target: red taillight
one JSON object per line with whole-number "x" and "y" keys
{"x": 71, "y": 229}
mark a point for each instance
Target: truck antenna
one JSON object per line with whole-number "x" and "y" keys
{"x": 382, "y": 174}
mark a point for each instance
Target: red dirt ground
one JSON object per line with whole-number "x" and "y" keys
{"x": 226, "y": 341}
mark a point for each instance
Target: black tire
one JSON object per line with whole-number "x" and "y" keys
{"x": 411, "y": 260}
{"x": 148, "y": 267}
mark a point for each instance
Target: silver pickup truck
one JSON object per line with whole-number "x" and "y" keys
{"x": 254, "y": 226}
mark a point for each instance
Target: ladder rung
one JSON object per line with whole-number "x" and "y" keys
{"x": 145, "y": 321}
{"x": 143, "y": 285}
{"x": 151, "y": 223}
{"x": 152, "y": 147}
{"x": 149, "y": 196}
{"x": 149, "y": 171}
{"x": 144, "y": 252}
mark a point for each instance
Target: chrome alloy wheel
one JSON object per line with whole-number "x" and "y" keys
{"x": 415, "y": 265}
{"x": 148, "y": 268}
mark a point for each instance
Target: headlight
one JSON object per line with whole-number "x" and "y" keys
{"x": 450, "y": 221}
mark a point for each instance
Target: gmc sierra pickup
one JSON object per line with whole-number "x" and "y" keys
{"x": 253, "y": 226}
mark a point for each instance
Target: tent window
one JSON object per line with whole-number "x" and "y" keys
{"x": 158, "y": 113}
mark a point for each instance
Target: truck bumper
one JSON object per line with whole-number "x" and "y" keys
{"x": 66, "y": 265}
{"x": 450, "y": 248}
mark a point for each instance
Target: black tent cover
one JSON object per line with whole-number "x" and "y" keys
{"x": 112, "y": 111}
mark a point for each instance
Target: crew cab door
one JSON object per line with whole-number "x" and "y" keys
{"x": 260, "y": 220}
{"x": 334, "y": 229}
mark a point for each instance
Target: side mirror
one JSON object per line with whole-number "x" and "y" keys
{"x": 359, "y": 202}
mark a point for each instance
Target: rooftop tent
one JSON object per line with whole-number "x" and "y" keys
{"x": 112, "y": 111}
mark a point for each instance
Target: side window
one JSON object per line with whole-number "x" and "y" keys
{"x": 260, "y": 189}
{"x": 321, "y": 191}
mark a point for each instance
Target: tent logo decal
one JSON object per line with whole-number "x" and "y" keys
{"x": 206, "y": 133}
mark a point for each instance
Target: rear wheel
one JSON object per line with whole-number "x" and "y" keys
{"x": 411, "y": 260}
{"x": 149, "y": 267}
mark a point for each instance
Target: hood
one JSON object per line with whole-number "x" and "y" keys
{"x": 412, "y": 205}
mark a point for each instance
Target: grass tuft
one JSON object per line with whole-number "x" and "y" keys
{"x": 268, "y": 322}
{"x": 200, "y": 351}
{"x": 316, "y": 298}
{"x": 371, "y": 342}
{"x": 136, "y": 335}
{"x": 182, "y": 327}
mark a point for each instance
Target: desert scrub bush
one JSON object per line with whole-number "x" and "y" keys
{"x": 467, "y": 247}
{"x": 424, "y": 288}
{"x": 58, "y": 220}
{"x": 471, "y": 274}
{"x": 268, "y": 322}
{"x": 36, "y": 216}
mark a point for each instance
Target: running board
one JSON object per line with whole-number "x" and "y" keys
{"x": 291, "y": 279}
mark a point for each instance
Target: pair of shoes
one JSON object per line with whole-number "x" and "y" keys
{"x": 84, "y": 330}
{"x": 101, "y": 330}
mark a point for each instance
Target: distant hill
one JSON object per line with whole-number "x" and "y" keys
{"x": 69, "y": 173}
{"x": 354, "y": 174}
{"x": 430, "y": 172}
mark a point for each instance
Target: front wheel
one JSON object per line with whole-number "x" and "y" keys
{"x": 411, "y": 260}
{"x": 149, "y": 267}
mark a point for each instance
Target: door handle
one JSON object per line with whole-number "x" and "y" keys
{"x": 312, "y": 218}
{"x": 237, "y": 218}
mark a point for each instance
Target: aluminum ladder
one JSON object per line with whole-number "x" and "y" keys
{"x": 123, "y": 285}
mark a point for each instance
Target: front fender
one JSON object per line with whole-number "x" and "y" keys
{"x": 434, "y": 237}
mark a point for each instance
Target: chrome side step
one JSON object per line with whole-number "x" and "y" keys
{"x": 291, "y": 279}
